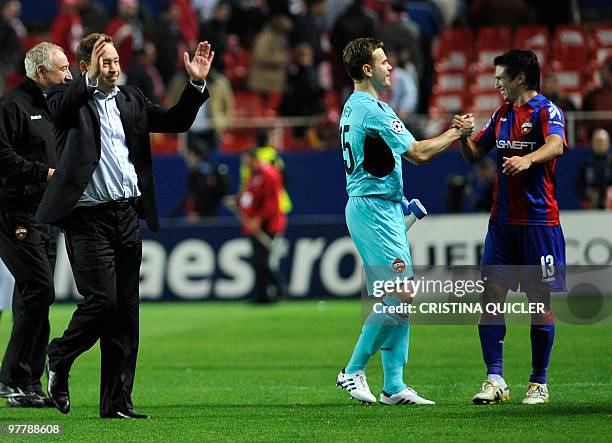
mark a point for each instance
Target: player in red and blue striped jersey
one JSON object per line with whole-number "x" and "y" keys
{"x": 524, "y": 243}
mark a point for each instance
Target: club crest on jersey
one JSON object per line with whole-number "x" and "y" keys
{"x": 399, "y": 266}
{"x": 21, "y": 232}
{"x": 526, "y": 127}
{"x": 397, "y": 126}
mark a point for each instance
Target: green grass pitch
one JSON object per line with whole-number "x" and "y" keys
{"x": 234, "y": 372}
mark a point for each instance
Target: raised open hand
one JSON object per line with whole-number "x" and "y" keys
{"x": 95, "y": 62}
{"x": 199, "y": 67}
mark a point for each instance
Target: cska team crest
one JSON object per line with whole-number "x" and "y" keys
{"x": 398, "y": 266}
{"x": 526, "y": 127}
{"x": 21, "y": 232}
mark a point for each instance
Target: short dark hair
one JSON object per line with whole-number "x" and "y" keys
{"x": 357, "y": 53}
{"x": 87, "y": 43}
{"x": 518, "y": 61}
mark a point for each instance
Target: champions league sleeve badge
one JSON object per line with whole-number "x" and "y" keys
{"x": 398, "y": 126}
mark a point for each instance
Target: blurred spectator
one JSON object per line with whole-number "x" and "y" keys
{"x": 93, "y": 16}
{"x": 551, "y": 88}
{"x": 502, "y": 12}
{"x": 127, "y": 31}
{"x": 11, "y": 33}
{"x": 450, "y": 10}
{"x": 144, "y": 75}
{"x": 600, "y": 99}
{"x": 247, "y": 19}
{"x": 355, "y": 22}
{"x": 215, "y": 116}
{"x": 188, "y": 22}
{"x": 404, "y": 89}
{"x": 334, "y": 8}
{"x": 480, "y": 185}
{"x": 207, "y": 183}
{"x": 262, "y": 218}
{"x": 167, "y": 39}
{"x": 288, "y": 8}
{"x": 555, "y": 12}
{"x": 267, "y": 153}
{"x": 267, "y": 73}
{"x": 215, "y": 31}
{"x": 401, "y": 34}
{"x": 303, "y": 96}
{"x": 309, "y": 28}
{"x": 67, "y": 30}
{"x": 204, "y": 8}
{"x": 594, "y": 179}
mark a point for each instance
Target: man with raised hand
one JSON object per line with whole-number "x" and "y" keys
{"x": 103, "y": 184}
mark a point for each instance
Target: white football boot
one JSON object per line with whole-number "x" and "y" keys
{"x": 491, "y": 392}
{"x": 407, "y": 396}
{"x": 356, "y": 385}
{"x": 537, "y": 394}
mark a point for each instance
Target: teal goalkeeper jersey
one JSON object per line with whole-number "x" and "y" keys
{"x": 373, "y": 140}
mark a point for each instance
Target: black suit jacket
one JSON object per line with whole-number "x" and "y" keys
{"x": 77, "y": 126}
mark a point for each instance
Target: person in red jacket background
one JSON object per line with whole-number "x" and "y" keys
{"x": 262, "y": 221}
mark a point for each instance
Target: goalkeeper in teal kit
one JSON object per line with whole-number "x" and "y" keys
{"x": 373, "y": 141}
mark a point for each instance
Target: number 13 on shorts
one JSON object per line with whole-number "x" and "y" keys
{"x": 548, "y": 267}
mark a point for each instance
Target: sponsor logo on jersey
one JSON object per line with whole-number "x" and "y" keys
{"x": 21, "y": 232}
{"x": 397, "y": 126}
{"x": 553, "y": 112}
{"x": 35, "y": 117}
{"x": 399, "y": 266}
{"x": 515, "y": 144}
{"x": 526, "y": 127}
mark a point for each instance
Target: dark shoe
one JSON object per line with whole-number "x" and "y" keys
{"x": 129, "y": 415}
{"x": 7, "y": 391}
{"x": 132, "y": 413}
{"x": 27, "y": 400}
{"x": 49, "y": 403}
{"x": 58, "y": 390}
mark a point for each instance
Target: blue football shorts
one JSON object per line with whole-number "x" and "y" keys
{"x": 378, "y": 229}
{"x": 529, "y": 257}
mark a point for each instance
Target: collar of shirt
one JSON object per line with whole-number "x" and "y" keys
{"x": 99, "y": 95}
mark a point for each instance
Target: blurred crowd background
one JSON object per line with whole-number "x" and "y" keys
{"x": 278, "y": 79}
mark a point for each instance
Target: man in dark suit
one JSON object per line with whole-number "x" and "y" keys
{"x": 27, "y": 161}
{"x": 102, "y": 184}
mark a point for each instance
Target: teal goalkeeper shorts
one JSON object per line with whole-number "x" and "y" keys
{"x": 378, "y": 230}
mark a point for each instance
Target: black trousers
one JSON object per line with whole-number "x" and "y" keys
{"x": 265, "y": 276}
{"x": 105, "y": 250}
{"x": 28, "y": 249}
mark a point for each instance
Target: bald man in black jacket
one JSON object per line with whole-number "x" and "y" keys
{"x": 28, "y": 248}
